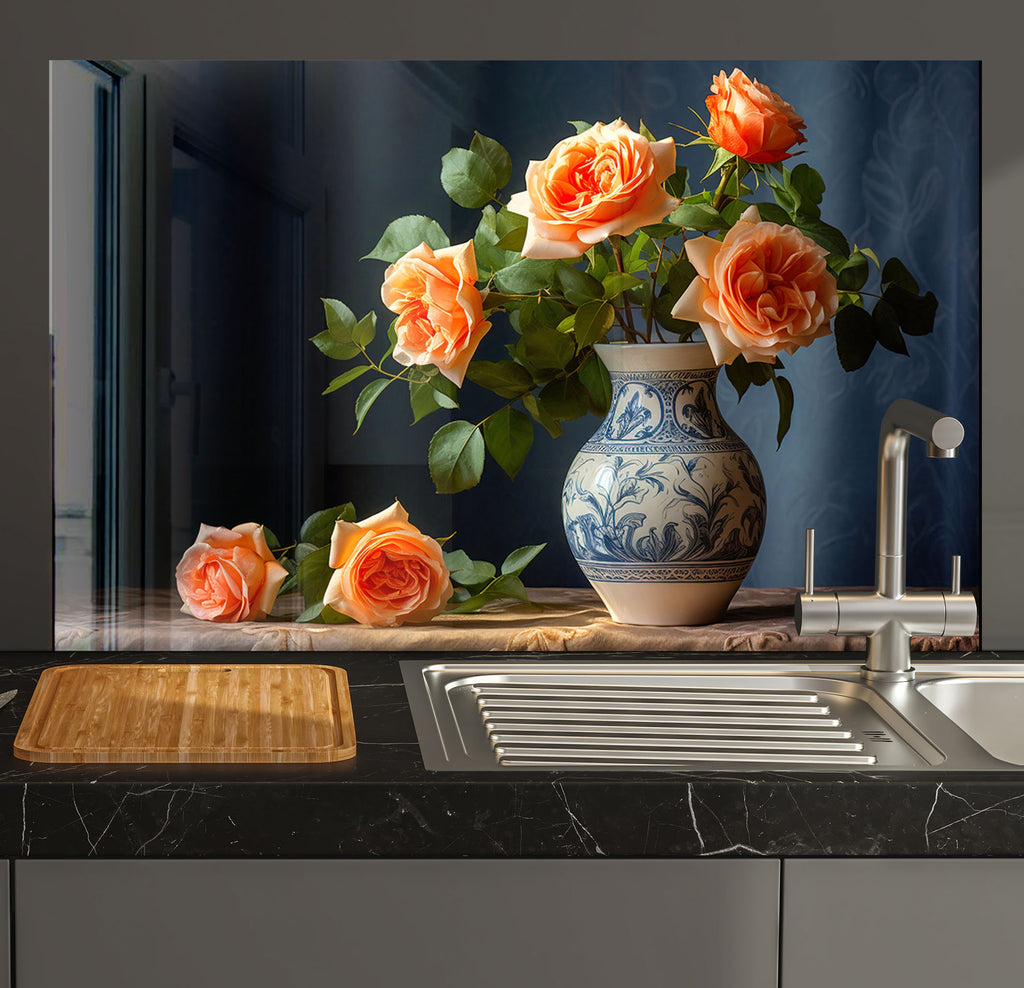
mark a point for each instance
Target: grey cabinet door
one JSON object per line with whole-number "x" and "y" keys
{"x": 881, "y": 922}
{"x": 5, "y": 924}
{"x": 397, "y": 923}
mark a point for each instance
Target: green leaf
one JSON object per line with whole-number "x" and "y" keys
{"x": 340, "y": 319}
{"x": 696, "y": 216}
{"x": 313, "y": 574}
{"x": 468, "y": 572}
{"x": 618, "y": 282}
{"x": 496, "y": 156}
{"x": 659, "y": 231}
{"x": 855, "y": 337}
{"x": 426, "y": 396}
{"x": 405, "y": 233}
{"x": 592, "y": 322}
{"x": 503, "y": 587}
{"x": 490, "y": 256}
{"x": 721, "y": 157}
{"x": 784, "y": 392}
{"x": 544, "y": 350}
{"x": 271, "y": 539}
{"x": 894, "y": 273}
{"x": 544, "y": 313}
{"x": 456, "y": 457}
{"x": 644, "y": 132}
{"x": 320, "y": 613}
{"x": 916, "y": 312}
{"x": 773, "y": 213}
{"x": 853, "y": 273}
{"x": 367, "y": 397}
{"x": 508, "y": 435}
{"x": 526, "y": 277}
{"x": 594, "y": 377}
{"x": 342, "y": 379}
{"x": 311, "y": 613}
{"x": 513, "y": 241}
{"x": 365, "y": 330}
{"x": 663, "y": 306}
{"x": 505, "y": 378}
{"x": 515, "y": 562}
{"x": 580, "y": 125}
{"x": 760, "y": 371}
{"x": 678, "y": 185}
{"x": 579, "y": 287}
{"x": 318, "y": 528}
{"x": 565, "y": 398}
{"x": 732, "y": 211}
{"x": 540, "y": 414}
{"x": 508, "y": 585}
{"x": 824, "y": 235}
{"x": 810, "y": 187}
{"x": 738, "y": 373}
{"x": 422, "y": 400}
{"x": 334, "y": 348}
{"x": 468, "y": 178}
{"x": 887, "y": 327}
{"x": 337, "y": 341}
{"x": 870, "y": 253}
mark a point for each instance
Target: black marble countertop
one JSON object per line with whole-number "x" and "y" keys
{"x": 383, "y": 803}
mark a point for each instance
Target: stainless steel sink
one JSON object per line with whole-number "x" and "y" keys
{"x": 990, "y": 710}
{"x": 663, "y": 715}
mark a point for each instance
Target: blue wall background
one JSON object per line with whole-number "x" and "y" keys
{"x": 897, "y": 144}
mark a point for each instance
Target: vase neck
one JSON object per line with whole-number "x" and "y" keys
{"x": 668, "y": 406}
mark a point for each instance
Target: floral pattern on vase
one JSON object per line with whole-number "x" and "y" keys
{"x": 664, "y": 506}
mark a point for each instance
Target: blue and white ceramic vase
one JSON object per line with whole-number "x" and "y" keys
{"x": 664, "y": 506}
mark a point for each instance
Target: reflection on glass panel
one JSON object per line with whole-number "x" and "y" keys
{"x": 235, "y": 350}
{"x": 81, "y": 133}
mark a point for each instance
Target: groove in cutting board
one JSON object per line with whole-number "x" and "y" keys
{"x": 188, "y": 713}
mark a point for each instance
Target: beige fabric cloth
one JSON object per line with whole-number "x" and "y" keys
{"x": 556, "y": 620}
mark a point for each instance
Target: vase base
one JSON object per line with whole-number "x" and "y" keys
{"x": 666, "y": 604}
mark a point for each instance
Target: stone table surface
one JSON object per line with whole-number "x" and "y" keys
{"x": 384, "y": 803}
{"x": 559, "y": 619}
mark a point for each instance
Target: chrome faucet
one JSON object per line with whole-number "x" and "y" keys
{"x": 888, "y": 615}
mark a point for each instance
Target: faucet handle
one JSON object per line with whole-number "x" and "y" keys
{"x": 809, "y": 563}
{"x": 955, "y": 582}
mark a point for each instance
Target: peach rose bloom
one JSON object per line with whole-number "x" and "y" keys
{"x": 748, "y": 119}
{"x": 386, "y": 571}
{"x": 229, "y": 574}
{"x": 440, "y": 311}
{"x": 606, "y": 180}
{"x": 763, "y": 289}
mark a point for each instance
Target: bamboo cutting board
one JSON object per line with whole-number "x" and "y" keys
{"x": 188, "y": 713}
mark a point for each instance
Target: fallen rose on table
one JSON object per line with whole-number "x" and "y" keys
{"x": 382, "y": 571}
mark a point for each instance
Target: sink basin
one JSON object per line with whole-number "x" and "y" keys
{"x": 990, "y": 710}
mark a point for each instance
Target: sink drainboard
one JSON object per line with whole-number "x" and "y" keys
{"x": 562, "y": 725}
{"x": 593, "y": 718}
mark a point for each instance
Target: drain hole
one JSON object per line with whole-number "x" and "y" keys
{"x": 878, "y": 736}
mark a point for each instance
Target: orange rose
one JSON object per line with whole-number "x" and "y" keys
{"x": 606, "y": 180}
{"x": 440, "y": 311}
{"x": 763, "y": 289}
{"x": 229, "y": 575}
{"x": 748, "y": 119}
{"x": 387, "y": 571}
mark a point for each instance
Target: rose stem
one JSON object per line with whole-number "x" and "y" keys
{"x": 616, "y": 242}
{"x": 654, "y": 286}
{"x": 720, "y": 195}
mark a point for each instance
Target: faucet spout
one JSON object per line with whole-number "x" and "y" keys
{"x": 943, "y": 435}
